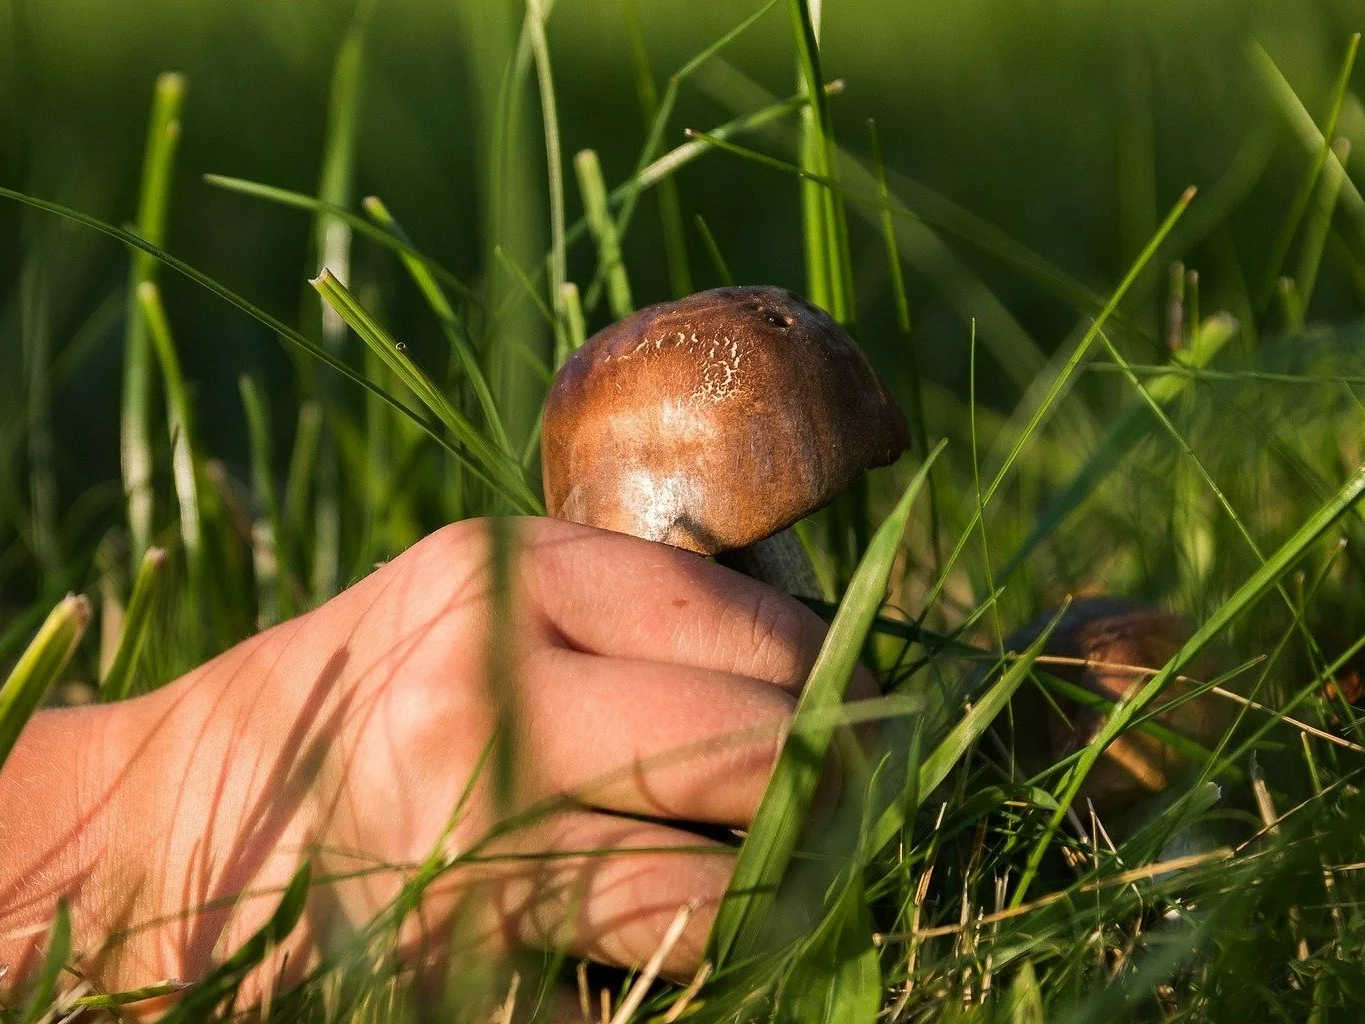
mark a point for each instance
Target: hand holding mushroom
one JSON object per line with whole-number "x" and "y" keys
{"x": 649, "y": 684}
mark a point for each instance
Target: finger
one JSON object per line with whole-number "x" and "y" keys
{"x": 606, "y": 593}
{"x": 607, "y": 888}
{"x": 648, "y": 738}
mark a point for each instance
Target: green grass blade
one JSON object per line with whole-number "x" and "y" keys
{"x": 395, "y": 242}
{"x": 829, "y": 269}
{"x": 934, "y": 768}
{"x": 1025, "y": 1000}
{"x": 199, "y": 1002}
{"x": 267, "y": 531}
{"x": 630, "y": 192}
{"x": 772, "y": 838}
{"x": 888, "y": 226}
{"x": 499, "y": 470}
{"x": 1320, "y": 222}
{"x": 536, "y": 17}
{"x": 661, "y": 171}
{"x": 1058, "y": 386}
{"x": 670, "y": 208}
{"x": 1017, "y": 353}
{"x": 137, "y": 617}
{"x": 713, "y": 250}
{"x": 1264, "y": 579}
{"x": 36, "y": 295}
{"x": 294, "y": 514}
{"x": 573, "y": 313}
{"x": 1291, "y": 306}
{"x": 1298, "y": 206}
{"x": 135, "y": 430}
{"x": 451, "y": 324}
{"x": 1127, "y": 429}
{"x": 39, "y": 666}
{"x": 55, "y": 960}
{"x": 184, "y": 463}
{"x": 255, "y": 312}
{"x": 594, "y": 192}
{"x": 332, "y": 252}
{"x": 837, "y": 979}
{"x": 1316, "y": 142}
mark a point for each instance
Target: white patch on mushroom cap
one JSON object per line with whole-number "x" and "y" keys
{"x": 656, "y": 503}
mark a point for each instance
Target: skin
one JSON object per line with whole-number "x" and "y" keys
{"x": 349, "y": 734}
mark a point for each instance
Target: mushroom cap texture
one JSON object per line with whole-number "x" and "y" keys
{"x": 1113, "y": 631}
{"x": 715, "y": 421}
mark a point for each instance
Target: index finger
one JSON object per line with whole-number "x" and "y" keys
{"x": 610, "y": 594}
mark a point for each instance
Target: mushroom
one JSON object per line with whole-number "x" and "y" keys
{"x": 1114, "y": 636}
{"x": 713, "y": 424}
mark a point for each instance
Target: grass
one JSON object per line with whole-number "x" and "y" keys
{"x": 1183, "y": 425}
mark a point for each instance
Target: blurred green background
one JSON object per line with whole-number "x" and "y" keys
{"x": 1070, "y": 126}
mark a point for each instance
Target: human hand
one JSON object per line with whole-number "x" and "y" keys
{"x": 636, "y": 679}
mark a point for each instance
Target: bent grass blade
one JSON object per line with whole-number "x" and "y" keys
{"x": 504, "y": 472}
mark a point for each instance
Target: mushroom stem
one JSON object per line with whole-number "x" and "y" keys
{"x": 779, "y": 560}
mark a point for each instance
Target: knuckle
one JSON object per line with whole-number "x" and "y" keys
{"x": 781, "y": 638}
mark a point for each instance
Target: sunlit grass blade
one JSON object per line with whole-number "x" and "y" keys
{"x": 829, "y": 266}
{"x": 594, "y": 192}
{"x": 573, "y": 310}
{"x": 1127, "y": 428}
{"x": 184, "y": 462}
{"x": 536, "y": 16}
{"x": 1313, "y": 139}
{"x": 39, "y": 666}
{"x": 1057, "y": 387}
{"x": 55, "y": 961}
{"x": 135, "y": 438}
{"x": 934, "y": 768}
{"x": 451, "y": 324}
{"x": 499, "y": 470}
{"x": 1322, "y": 157}
{"x": 332, "y": 250}
{"x": 1320, "y": 222}
{"x": 713, "y": 250}
{"x": 118, "y": 681}
{"x": 772, "y": 838}
{"x": 1266, "y": 577}
{"x": 222, "y": 983}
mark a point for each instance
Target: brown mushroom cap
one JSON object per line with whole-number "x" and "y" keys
{"x": 715, "y": 421}
{"x": 1112, "y": 632}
